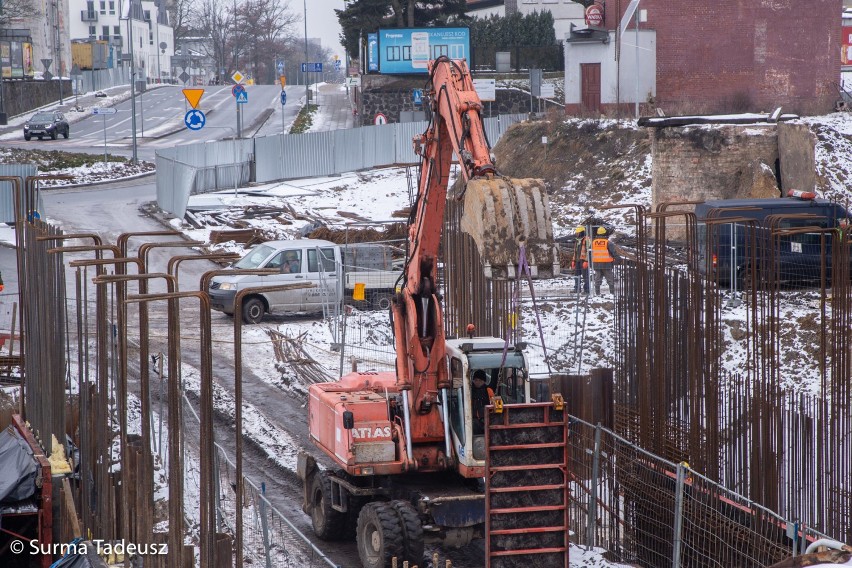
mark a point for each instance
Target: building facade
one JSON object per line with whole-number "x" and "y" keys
{"x": 730, "y": 56}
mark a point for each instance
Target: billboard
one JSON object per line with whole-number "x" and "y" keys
{"x": 406, "y": 51}
{"x": 372, "y": 53}
{"x": 846, "y": 47}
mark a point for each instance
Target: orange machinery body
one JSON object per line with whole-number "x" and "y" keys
{"x": 374, "y": 446}
{"x": 376, "y": 400}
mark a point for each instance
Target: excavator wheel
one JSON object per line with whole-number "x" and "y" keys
{"x": 379, "y": 535}
{"x": 328, "y": 524}
{"x": 500, "y": 215}
{"x": 412, "y": 532}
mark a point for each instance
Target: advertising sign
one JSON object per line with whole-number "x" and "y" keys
{"x": 595, "y": 15}
{"x": 17, "y": 59}
{"x": 407, "y": 51}
{"x": 846, "y": 47}
{"x": 372, "y": 53}
{"x": 5, "y": 59}
{"x": 29, "y": 68}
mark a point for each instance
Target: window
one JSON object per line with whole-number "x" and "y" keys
{"x": 327, "y": 256}
{"x": 103, "y": 6}
{"x": 112, "y": 7}
{"x": 105, "y": 32}
{"x": 93, "y": 31}
{"x": 439, "y": 50}
{"x": 116, "y": 30}
{"x": 457, "y": 398}
{"x": 393, "y": 53}
{"x": 147, "y": 15}
{"x": 406, "y": 53}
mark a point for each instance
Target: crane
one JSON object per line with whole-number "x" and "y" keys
{"x": 406, "y": 451}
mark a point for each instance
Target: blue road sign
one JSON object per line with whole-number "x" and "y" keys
{"x": 311, "y": 67}
{"x": 418, "y": 96}
{"x": 280, "y": 66}
{"x": 283, "y": 98}
{"x": 242, "y": 97}
{"x": 237, "y": 89}
{"x": 337, "y": 65}
{"x": 195, "y": 119}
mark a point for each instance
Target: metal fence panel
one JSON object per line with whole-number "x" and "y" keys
{"x": 405, "y": 133}
{"x": 7, "y": 194}
{"x": 268, "y": 155}
{"x": 175, "y": 183}
{"x": 348, "y": 150}
{"x": 308, "y": 155}
{"x": 379, "y": 148}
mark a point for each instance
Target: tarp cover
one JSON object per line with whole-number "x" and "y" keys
{"x": 82, "y": 554}
{"x": 17, "y": 467}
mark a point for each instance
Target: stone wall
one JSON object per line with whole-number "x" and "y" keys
{"x": 22, "y": 97}
{"x": 392, "y": 95}
{"x": 796, "y": 149}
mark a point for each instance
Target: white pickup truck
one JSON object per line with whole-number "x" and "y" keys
{"x": 317, "y": 262}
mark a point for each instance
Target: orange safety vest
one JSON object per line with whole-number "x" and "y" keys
{"x": 600, "y": 251}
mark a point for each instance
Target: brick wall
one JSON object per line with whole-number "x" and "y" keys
{"x": 695, "y": 163}
{"x": 744, "y": 55}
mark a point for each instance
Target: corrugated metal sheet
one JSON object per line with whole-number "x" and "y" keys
{"x": 7, "y": 193}
{"x": 288, "y": 156}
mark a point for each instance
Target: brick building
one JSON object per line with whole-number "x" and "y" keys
{"x": 714, "y": 57}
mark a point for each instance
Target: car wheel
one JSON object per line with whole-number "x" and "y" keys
{"x": 53, "y": 135}
{"x": 27, "y": 137}
{"x": 253, "y": 310}
{"x": 382, "y": 301}
{"x": 412, "y": 531}
{"x": 67, "y": 133}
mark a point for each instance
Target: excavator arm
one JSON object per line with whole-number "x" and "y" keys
{"x": 503, "y": 216}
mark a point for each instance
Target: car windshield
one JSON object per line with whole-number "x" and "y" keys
{"x": 42, "y": 117}
{"x": 253, "y": 259}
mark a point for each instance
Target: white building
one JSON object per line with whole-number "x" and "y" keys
{"x": 117, "y": 21}
{"x": 565, "y": 13}
{"x": 486, "y": 8}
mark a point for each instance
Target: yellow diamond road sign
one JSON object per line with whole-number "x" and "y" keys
{"x": 238, "y": 77}
{"x": 193, "y": 96}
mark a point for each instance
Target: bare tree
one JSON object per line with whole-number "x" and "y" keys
{"x": 217, "y": 24}
{"x": 181, "y": 16}
{"x": 17, "y": 9}
{"x": 264, "y": 26}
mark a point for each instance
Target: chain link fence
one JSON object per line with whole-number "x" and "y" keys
{"x": 648, "y": 511}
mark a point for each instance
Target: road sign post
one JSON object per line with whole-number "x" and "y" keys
{"x": 104, "y": 112}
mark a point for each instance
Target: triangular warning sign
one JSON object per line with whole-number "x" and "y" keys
{"x": 193, "y": 96}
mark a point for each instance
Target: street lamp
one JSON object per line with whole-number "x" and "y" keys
{"x": 132, "y": 81}
{"x": 305, "y": 17}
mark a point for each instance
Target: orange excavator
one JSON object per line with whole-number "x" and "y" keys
{"x": 408, "y": 455}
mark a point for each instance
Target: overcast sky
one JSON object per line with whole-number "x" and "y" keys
{"x": 322, "y": 21}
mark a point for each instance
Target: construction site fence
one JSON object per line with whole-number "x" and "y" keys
{"x": 648, "y": 511}
{"x": 190, "y": 169}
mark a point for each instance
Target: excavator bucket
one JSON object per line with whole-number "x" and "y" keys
{"x": 502, "y": 215}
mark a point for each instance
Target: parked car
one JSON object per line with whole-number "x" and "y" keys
{"x": 799, "y": 257}
{"x": 369, "y": 278}
{"x": 47, "y": 123}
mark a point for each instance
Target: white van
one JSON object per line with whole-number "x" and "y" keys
{"x": 304, "y": 261}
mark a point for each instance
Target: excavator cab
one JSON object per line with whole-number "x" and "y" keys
{"x": 505, "y": 375}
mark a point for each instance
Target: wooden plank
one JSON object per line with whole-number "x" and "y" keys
{"x": 70, "y": 509}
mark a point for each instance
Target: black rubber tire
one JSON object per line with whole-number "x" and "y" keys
{"x": 67, "y": 133}
{"x": 379, "y": 535}
{"x": 253, "y": 310}
{"x": 328, "y": 524}
{"x": 27, "y": 137}
{"x": 412, "y": 532}
{"x": 53, "y": 134}
{"x": 381, "y": 301}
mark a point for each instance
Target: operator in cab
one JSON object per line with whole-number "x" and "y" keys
{"x": 480, "y": 397}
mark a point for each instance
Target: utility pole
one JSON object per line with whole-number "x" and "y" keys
{"x": 132, "y": 81}
{"x": 305, "y": 17}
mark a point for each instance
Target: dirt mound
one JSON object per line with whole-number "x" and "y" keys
{"x": 587, "y": 165}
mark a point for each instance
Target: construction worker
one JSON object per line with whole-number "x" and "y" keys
{"x": 604, "y": 257}
{"x": 580, "y": 260}
{"x": 480, "y": 397}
